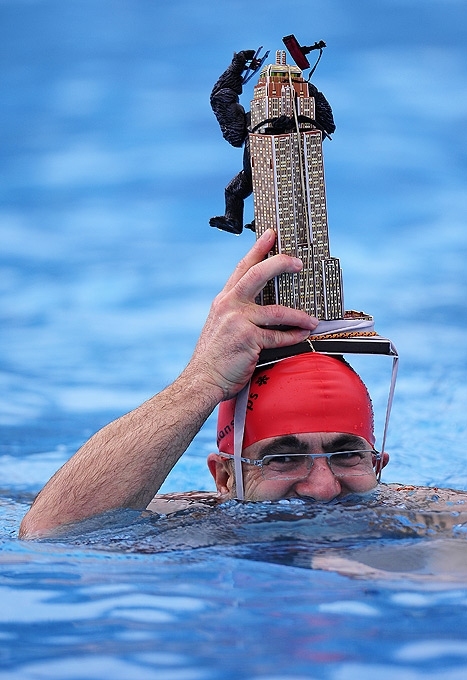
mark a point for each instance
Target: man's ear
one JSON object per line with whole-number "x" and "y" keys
{"x": 221, "y": 470}
{"x": 381, "y": 463}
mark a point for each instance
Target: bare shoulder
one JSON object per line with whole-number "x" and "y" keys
{"x": 168, "y": 503}
{"x": 423, "y": 497}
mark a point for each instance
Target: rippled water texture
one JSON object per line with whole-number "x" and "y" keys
{"x": 111, "y": 164}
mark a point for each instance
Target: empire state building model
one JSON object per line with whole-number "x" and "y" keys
{"x": 289, "y": 191}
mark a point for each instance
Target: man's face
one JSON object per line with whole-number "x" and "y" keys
{"x": 322, "y": 482}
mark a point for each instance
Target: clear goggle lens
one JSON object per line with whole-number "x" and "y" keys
{"x": 298, "y": 465}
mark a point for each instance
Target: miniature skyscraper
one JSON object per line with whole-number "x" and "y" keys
{"x": 289, "y": 191}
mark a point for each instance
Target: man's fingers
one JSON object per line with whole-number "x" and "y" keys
{"x": 256, "y": 254}
{"x": 254, "y": 280}
{"x": 276, "y": 338}
{"x": 265, "y": 316}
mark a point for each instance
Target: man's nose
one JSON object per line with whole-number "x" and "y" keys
{"x": 320, "y": 483}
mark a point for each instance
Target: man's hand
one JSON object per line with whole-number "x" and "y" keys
{"x": 237, "y": 328}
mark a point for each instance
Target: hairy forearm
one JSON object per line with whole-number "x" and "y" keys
{"x": 125, "y": 463}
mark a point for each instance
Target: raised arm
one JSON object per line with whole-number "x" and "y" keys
{"x": 125, "y": 463}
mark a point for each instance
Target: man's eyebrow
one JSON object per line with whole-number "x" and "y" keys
{"x": 346, "y": 441}
{"x": 289, "y": 443}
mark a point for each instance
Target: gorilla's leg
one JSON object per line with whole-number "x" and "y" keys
{"x": 239, "y": 188}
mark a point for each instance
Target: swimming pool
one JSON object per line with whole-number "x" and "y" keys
{"x": 108, "y": 269}
{"x": 282, "y": 591}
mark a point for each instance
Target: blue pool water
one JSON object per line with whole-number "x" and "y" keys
{"x": 111, "y": 164}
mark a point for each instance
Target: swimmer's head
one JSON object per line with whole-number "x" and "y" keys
{"x": 302, "y": 394}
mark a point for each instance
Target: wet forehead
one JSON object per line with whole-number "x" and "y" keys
{"x": 312, "y": 442}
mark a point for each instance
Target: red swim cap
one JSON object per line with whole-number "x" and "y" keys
{"x": 305, "y": 393}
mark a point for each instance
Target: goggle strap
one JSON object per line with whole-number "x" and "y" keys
{"x": 392, "y": 387}
{"x": 241, "y": 405}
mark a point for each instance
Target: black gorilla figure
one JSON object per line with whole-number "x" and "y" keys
{"x": 235, "y": 126}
